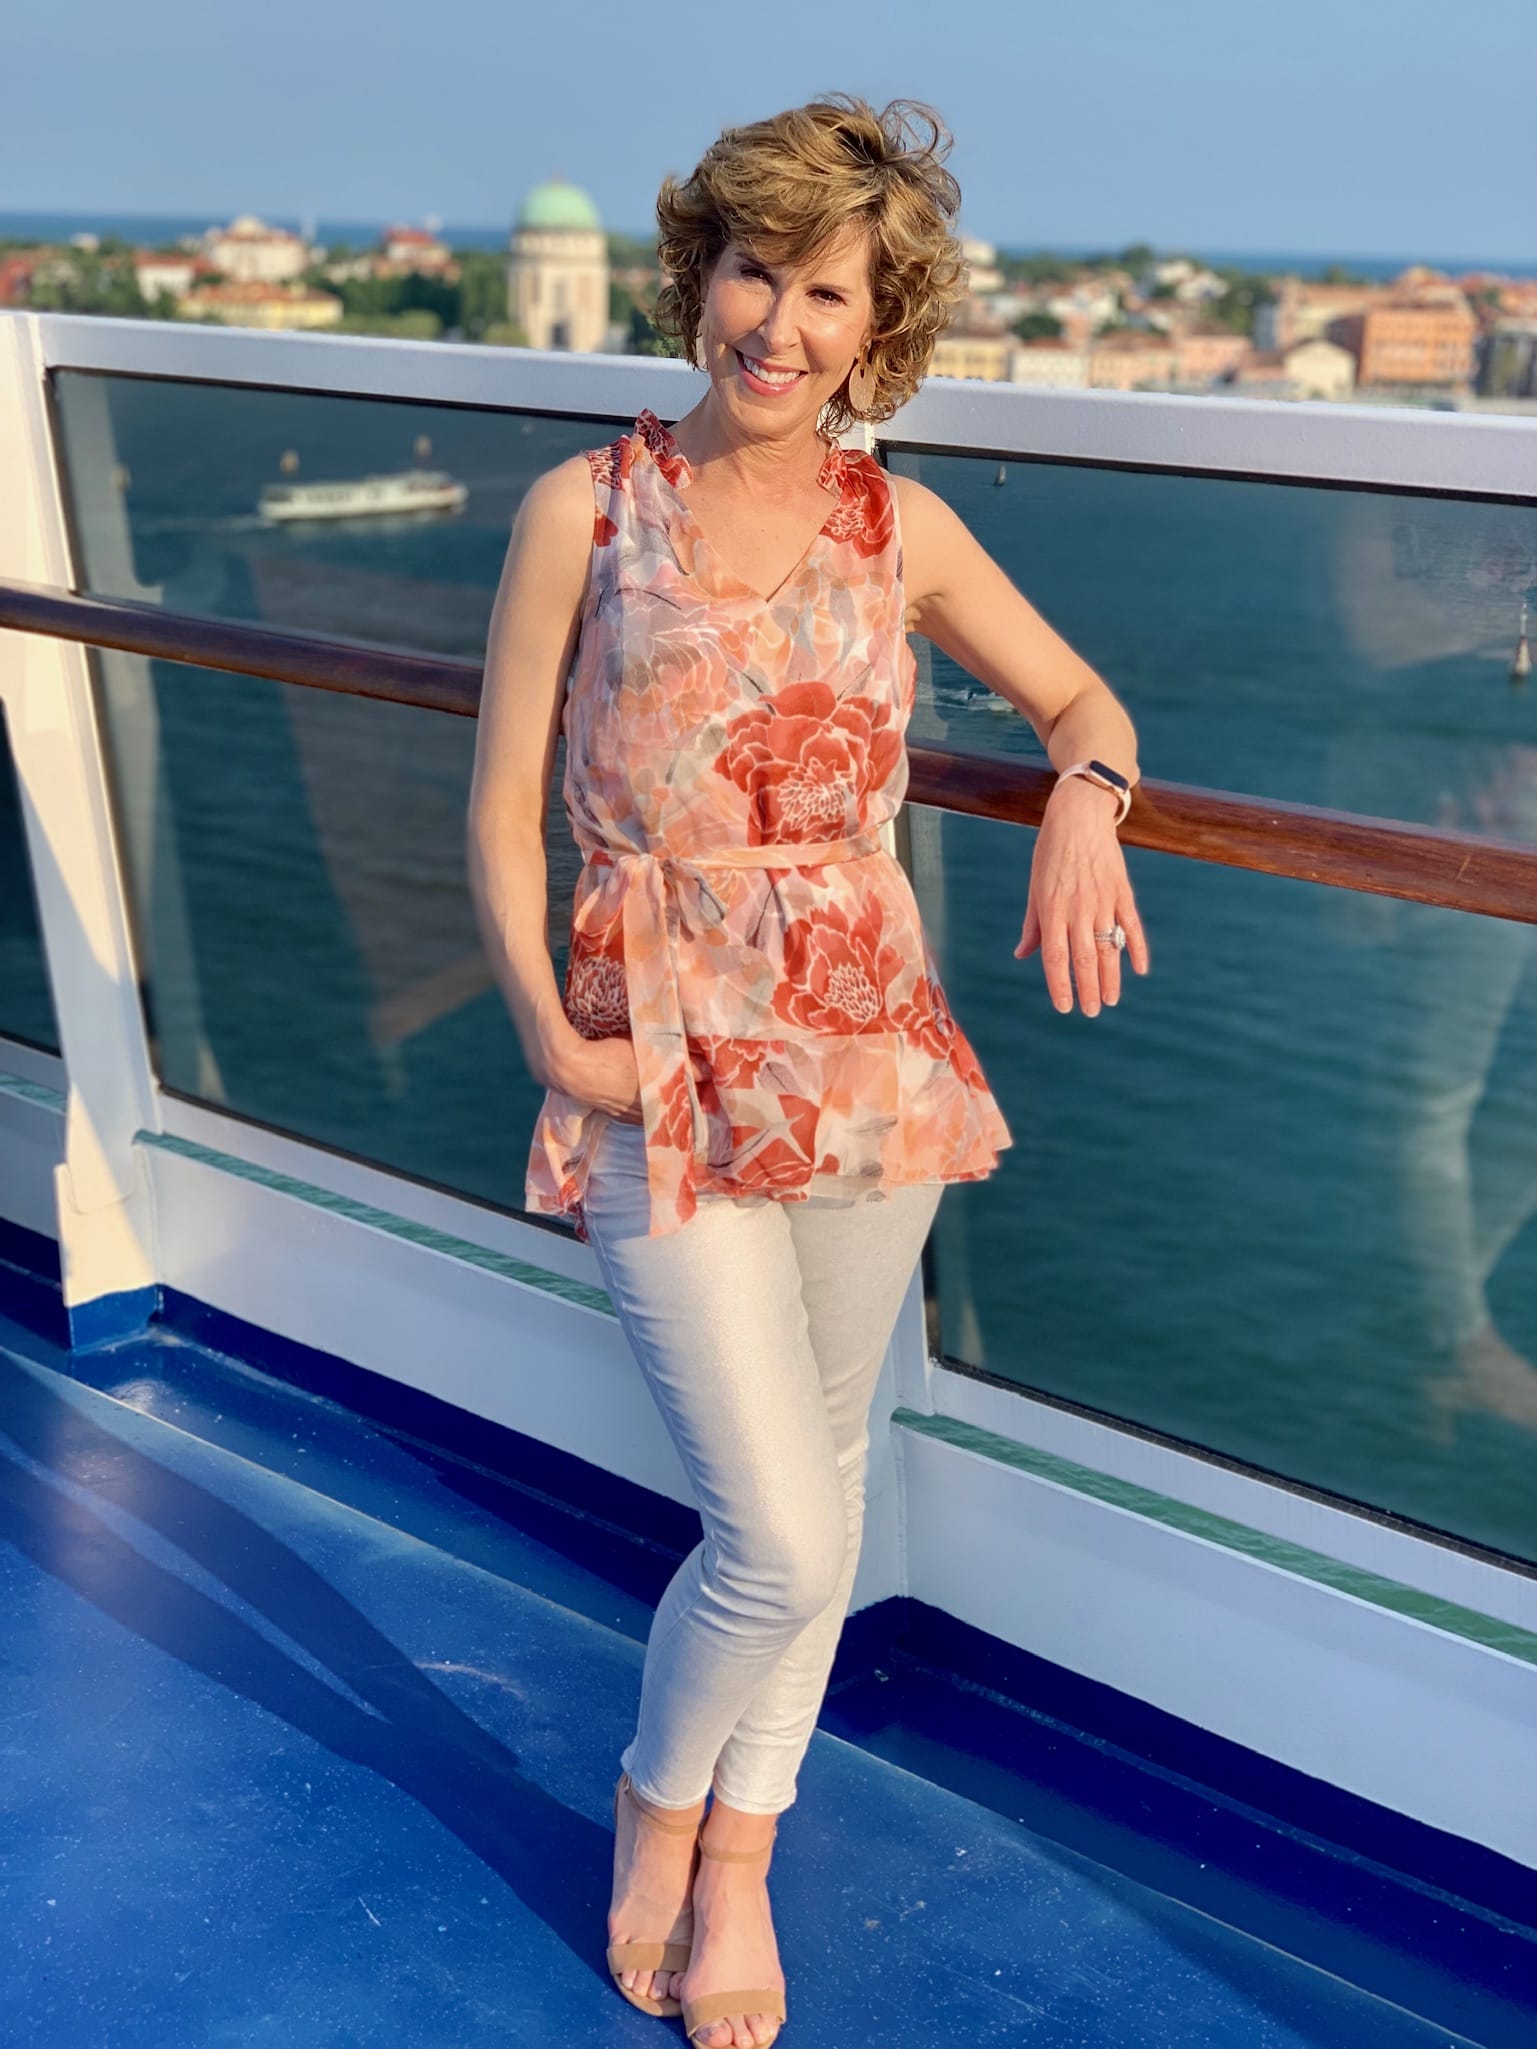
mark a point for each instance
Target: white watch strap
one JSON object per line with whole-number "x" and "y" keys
{"x": 1085, "y": 768}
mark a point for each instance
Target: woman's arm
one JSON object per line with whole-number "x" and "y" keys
{"x": 532, "y": 637}
{"x": 959, "y": 598}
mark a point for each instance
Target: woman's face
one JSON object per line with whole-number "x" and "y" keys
{"x": 810, "y": 320}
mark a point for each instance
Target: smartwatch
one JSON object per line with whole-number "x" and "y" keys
{"x": 1107, "y": 779}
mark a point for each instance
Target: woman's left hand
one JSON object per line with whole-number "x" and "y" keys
{"x": 1079, "y": 886}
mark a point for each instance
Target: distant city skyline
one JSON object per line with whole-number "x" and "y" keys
{"x": 154, "y": 228}
{"x": 1318, "y": 131}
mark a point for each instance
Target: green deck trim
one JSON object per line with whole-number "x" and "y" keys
{"x": 404, "y": 1228}
{"x": 32, "y": 1091}
{"x": 1489, "y": 1630}
{"x": 1449, "y": 1616}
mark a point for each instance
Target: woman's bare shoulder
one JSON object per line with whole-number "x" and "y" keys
{"x": 549, "y": 551}
{"x": 915, "y": 501}
{"x": 553, "y": 528}
{"x": 562, "y": 496}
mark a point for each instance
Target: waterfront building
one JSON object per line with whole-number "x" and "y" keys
{"x": 1321, "y": 369}
{"x": 16, "y": 274}
{"x": 413, "y": 249}
{"x": 1083, "y": 307}
{"x": 1191, "y": 283}
{"x": 1421, "y": 338}
{"x": 1509, "y": 362}
{"x": 1131, "y": 359}
{"x": 982, "y": 272}
{"x": 1299, "y": 307}
{"x": 157, "y": 271}
{"x": 1048, "y": 359}
{"x": 1315, "y": 369}
{"x": 261, "y": 305}
{"x": 249, "y": 252}
{"x": 1205, "y": 351}
{"x": 971, "y": 349}
{"x": 557, "y": 273}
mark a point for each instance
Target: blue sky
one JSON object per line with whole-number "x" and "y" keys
{"x": 1325, "y": 125}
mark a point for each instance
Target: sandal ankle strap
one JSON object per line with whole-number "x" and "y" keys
{"x": 675, "y": 1828}
{"x": 738, "y": 1857}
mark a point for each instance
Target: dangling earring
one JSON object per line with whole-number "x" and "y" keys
{"x": 861, "y": 386}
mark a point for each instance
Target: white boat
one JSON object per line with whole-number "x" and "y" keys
{"x": 361, "y": 497}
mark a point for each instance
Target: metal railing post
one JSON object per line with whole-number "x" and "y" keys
{"x": 105, "y": 1221}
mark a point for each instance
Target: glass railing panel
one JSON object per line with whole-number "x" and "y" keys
{"x": 26, "y": 1000}
{"x": 1278, "y": 1202}
{"x": 170, "y": 481}
{"x": 1350, "y": 648}
{"x": 307, "y": 939}
{"x": 295, "y": 856}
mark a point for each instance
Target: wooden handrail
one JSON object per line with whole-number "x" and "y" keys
{"x": 1495, "y": 878}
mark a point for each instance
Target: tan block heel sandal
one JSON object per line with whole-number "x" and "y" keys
{"x": 713, "y": 2007}
{"x": 649, "y": 1956}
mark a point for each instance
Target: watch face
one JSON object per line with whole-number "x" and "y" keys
{"x": 1116, "y": 781}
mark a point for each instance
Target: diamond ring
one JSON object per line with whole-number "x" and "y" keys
{"x": 1116, "y": 936}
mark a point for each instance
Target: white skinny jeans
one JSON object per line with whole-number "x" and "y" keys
{"x": 760, "y": 1327}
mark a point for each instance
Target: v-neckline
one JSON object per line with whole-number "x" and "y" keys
{"x": 677, "y": 472}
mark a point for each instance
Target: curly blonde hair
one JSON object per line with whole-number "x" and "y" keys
{"x": 786, "y": 188}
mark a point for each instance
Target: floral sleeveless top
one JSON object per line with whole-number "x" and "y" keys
{"x": 729, "y": 760}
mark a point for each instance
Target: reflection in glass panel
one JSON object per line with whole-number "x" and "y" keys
{"x": 304, "y": 924}
{"x": 26, "y": 1000}
{"x": 296, "y": 857}
{"x": 1277, "y": 1202}
{"x": 168, "y": 482}
{"x": 1340, "y": 647}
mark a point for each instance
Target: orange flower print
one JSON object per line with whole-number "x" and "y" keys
{"x": 803, "y": 757}
{"x": 865, "y": 517}
{"x": 773, "y": 1162}
{"x": 596, "y": 990}
{"x": 837, "y": 970}
{"x": 675, "y": 1116}
{"x": 611, "y": 466}
{"x": 730, "y": 1063}
{"x": 595, "y": 994}
{"x": 663, "y": 449}
{"x": 927, "y": 1020}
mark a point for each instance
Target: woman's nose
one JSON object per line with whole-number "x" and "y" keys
{"x": 779, "y": 331}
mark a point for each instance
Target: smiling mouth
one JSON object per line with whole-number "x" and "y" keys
{"x": 765, "y": 374}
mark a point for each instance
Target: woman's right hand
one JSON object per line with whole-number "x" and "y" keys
{"x": 605, "y": 1073}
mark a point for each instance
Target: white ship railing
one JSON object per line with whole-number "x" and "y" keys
{"x": 1281, "y": 1623}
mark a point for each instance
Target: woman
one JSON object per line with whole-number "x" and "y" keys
{"x": 755, "y": 1090}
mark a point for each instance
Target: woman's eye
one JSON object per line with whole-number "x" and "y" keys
{"x": 823, "y": 291}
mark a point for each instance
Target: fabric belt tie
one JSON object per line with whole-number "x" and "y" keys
{"x": 651, "y": 963}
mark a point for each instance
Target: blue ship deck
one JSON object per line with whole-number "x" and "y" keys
{"x": 313, "y": 1710}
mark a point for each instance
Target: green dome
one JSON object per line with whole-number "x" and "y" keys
{"x": 555, "y": 204}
